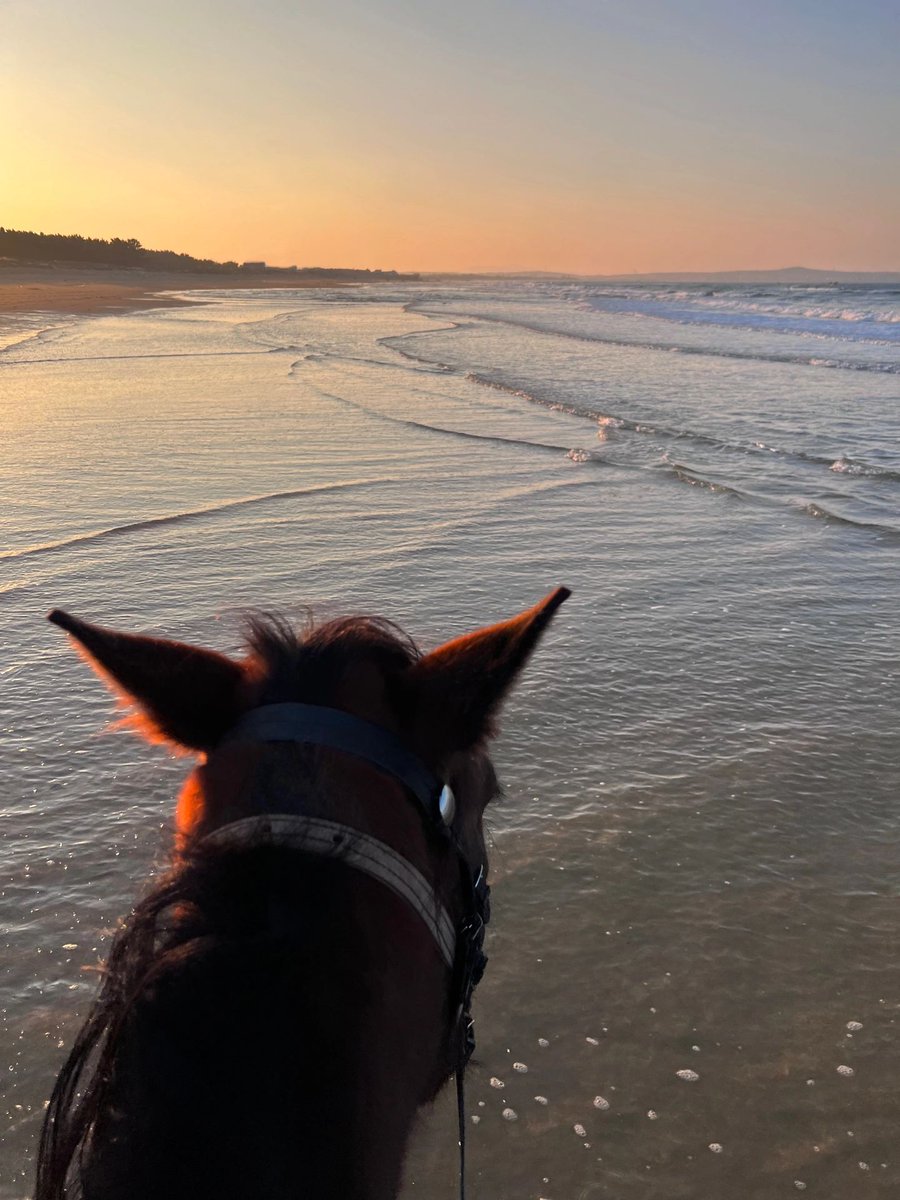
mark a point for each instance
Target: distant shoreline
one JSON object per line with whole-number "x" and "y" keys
{"x": 83, "y": 291}
{"x": 75, "y": 290}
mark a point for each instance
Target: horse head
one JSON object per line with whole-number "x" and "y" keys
{"x": 298, "y": 983}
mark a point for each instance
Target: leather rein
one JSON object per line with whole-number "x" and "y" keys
{"x": 460, "y": 945}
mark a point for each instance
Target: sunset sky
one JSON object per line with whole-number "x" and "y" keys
{"x": 592, "y": 136}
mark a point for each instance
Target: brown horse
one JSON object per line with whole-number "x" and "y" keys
{"x": 282, "y": 1001}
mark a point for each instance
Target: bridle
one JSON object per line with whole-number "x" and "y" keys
{"x": 461, "y": 945}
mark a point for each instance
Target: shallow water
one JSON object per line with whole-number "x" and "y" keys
{"x": 700, "y": 839}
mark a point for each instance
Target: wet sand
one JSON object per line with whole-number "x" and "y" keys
{"x": 94, "y": 290}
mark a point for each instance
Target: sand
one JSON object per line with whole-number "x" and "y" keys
{"x": 91, "y": 290}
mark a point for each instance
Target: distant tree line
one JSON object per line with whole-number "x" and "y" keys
{"x": 118, "y": 252}
{"x": 20, "y": 245}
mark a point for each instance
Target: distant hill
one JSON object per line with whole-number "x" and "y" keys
{"x": 22, "y": 246}
{"x": 801, "y": 275}
{"x": 797, "y": 275}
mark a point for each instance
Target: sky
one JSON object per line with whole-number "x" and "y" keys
{"x": 586, "y": 136}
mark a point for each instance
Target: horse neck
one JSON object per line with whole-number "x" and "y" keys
{"x": 286, "y": 1065}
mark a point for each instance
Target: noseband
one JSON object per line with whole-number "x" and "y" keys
{"x": 462, "y": 946}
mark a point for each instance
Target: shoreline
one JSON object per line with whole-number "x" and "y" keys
{"x": 68, "y": 290}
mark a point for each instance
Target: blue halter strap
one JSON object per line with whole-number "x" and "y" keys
{"x": 319, "y": 726}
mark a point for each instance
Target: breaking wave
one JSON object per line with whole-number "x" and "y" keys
{"x": 814, "y": 357}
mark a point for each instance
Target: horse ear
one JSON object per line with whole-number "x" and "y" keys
{"x": 185, "y": 695}
{"x": 458, "y": 688}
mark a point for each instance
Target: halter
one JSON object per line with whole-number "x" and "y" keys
{"x": 460, "y": 947}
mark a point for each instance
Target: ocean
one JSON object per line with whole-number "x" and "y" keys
{"x": 694, "y": 986}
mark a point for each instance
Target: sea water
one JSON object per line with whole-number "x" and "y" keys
{"x": 696, "y": 925}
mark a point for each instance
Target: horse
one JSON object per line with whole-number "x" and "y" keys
{"x": 298, "y": 982}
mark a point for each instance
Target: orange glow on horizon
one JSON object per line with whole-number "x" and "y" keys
{"x": 588, "y": 143}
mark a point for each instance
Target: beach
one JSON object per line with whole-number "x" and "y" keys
{"x": 693, "y": 987}
{"x": 86, "y": 290}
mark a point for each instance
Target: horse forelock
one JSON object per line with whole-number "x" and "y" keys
{"x": 309, "y": 663}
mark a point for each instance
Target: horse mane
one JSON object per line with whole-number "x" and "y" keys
{"x": 211, "y": 897}
{"x": 79, "y": 1092}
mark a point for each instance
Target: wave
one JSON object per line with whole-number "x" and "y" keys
{"x": 677, "y": 471}
{"x": 840, "y": 465}
{"x": 812, "y": 509}
{"x": 463, "y": 434}
{"x": 382, "y": 364}
{"x": 452, "y": 327}
{"x": 52, "y": 329}
{"x": 608, "y": 420}
{"x": 807, "y": 508}
{"x": 833, "y": 326}
{"x": 843, "y": 465}
{"x": 30, "y": 362}
{"x": 802, "y": 360}
{"x": 612, "y": 422}
{"x": 820, "y": 311}
{"x": 191, "y": 514}
{"x": 14, "y": 337}
{"x": 686, "y": 475}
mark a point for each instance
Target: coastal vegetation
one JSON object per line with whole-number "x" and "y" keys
{"x": 23, "y": 246}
